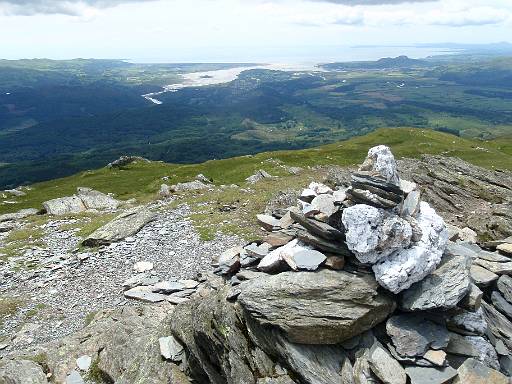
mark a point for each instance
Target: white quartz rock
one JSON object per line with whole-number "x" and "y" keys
{"x": 381, "y": 162}
{"x": 405, "y": 267}
{"x": 373, "y": 233}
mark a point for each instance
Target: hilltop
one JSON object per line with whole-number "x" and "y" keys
{"x": 162, "y": 277}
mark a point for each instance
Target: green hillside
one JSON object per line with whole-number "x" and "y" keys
{"x": 142, "y": 180}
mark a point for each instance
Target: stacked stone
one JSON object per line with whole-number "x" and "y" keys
{"x": 445, "y": 312}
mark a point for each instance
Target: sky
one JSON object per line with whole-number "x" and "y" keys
{"x": 240, "y": 30}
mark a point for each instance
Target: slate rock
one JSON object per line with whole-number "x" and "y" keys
{"x": 140, "y": 280}
{"x": 362, "y": 371}
{"x": 304, "y": 260}
{"x": 277, "y": 239}
{"x": 328, "y": 246}
{"x": 268, "y": 222}
{"x": 363, "y": 196}
{"x": 474, "y": 372}
{"x": 498, "y": 324}
{"x": 481, "y": 276}
{"x": 347, "y": 372}
{"x": 506, "y": 248}
{"x": 144, "y": 294}
{"x": 500, "y": 268}
{"x": 438, "y": 358}
{"x": 403, "y": 268}
{"x": 505, "y": 287}
{"x": 168, "y": 287}
{"x": 387, "y": 369}
{"x": 316, "y": 227}
{"x": 501, "y": 304}
{"x": 430, "y": 375}
{"x": 443, "y": 289}
{"x": 467, "y": 322}
{"x": 126, "y": 224}
{"x": 413, "y": 335}
{"x": 473, "y": 299}
{"x": 325, "y": 307}
{"x": 473, "y": 346}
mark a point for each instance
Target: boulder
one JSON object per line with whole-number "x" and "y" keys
{"x": 21, "y": 372}
{"x": 125, "y": 225}
{"x": 412, "y": 335}
{"x": 195, "y": 185}
{"x": 64, "y": 206}
{"x": 443, "y": 289}
{"x": 20, "y": 215}
{"x": 381, "y": 162}
{"x": 258, "y": 176}
{"x": 403, "y": 268}
{"x": 474, "y": 372}
{"x": 96, "y": 200}
{"x": 165, "y": 190}
{"x": 325, "y": 307}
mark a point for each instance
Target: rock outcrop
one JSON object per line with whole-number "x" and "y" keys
{"x": 85, "y": 199}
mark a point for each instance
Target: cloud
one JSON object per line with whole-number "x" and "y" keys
{"x": 449, "y": 14}
{"x": 372, "y": 2}
{"x": 64, "y": 7}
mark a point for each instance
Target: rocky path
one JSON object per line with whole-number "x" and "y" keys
{"x": 63, "y": 288}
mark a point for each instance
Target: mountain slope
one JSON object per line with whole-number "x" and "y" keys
{"x": 142, "y": 180}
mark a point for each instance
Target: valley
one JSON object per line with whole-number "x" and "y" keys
{"x": 64, "y": 117}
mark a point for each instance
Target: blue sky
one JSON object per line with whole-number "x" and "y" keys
{"x": 197, "y": 30}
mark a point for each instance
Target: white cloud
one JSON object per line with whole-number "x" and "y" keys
{"x": 449, "y": 13}
{"x": 64, "y": 7}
